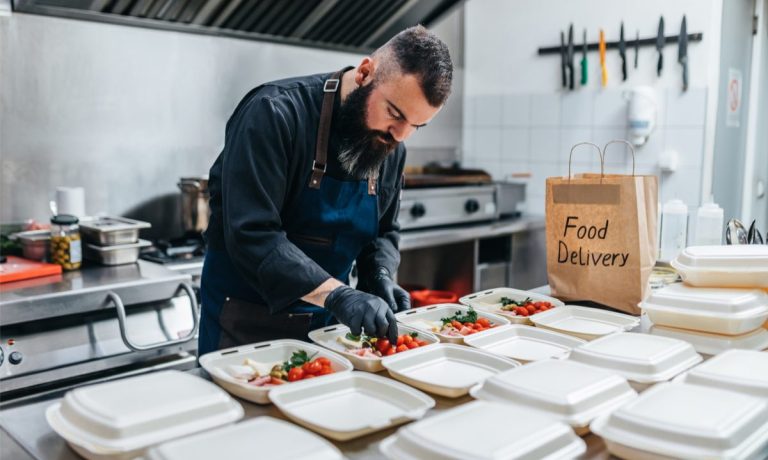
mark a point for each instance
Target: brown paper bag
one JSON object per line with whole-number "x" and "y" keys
{"x": 601, "y": 236}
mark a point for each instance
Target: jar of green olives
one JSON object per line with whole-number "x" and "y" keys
{"x": 66, "y": 247}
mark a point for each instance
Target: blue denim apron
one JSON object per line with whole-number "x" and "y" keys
{"x": 333, "y": 221}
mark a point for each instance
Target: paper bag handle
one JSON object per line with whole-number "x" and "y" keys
{"x": 631, "y": 148}
{"x": 599, "y": 152}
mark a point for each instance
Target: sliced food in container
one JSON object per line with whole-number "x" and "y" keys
{"x": 251, "y": 371}
{"x": 678, "y": 420}
{"x": 483, "y": 430}
{"x": 572, "y": 392}
{"x": 513, "y": 304}
{"x": 709, "y": 344}
{"x": 739, "y": 265}
{"x": 745, "y": 371}
{"x": 446, "y": 369}
{"x": 716, "y": 310}
{"x": 450, "y": 322}
{"x": 585, "y": 322}
{"x": 349, "y": 405}
{"x": 365, "y": 352}
{"x": 268, "y": 437}
{"x": 643, "y": 359}
{"x": 122, "y": 418}
{"x": 524, "y": 343}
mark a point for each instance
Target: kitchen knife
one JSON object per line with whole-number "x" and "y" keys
{"x": 637, "y": 46}
{"x": 623, "y": 53}
{"x": 571, "y": 72}
{"x": 660, "y": 46}
{"x": 682, "y": 52}
{"x": 603, "y": 68}
{"x": 584, "y": 60}
{"x": 562, "y": 59}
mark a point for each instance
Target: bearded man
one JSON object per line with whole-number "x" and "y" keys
{"x": 309, "y": 182}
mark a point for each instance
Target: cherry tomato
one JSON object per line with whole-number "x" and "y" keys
{"x": 456, "y": 324}
{"x": 391, "y": 351}
{"x": 326, "y": 370}
{"x": 312, "y": 367}
{"x": 422, "y": 343}
{"x": 522, "y": 311}
{"x": 401, "y": 348}
{"x": 400, "y": 340}
{"x": 407, "y": 339}
{"x": 382, "y": 345}
{"x": 483, "y": 322}
{"x": 531, "y": 309}
{"x": 323, "y": 361}
{"x": 295, "y": 374}
{"x": 412, "y": 344}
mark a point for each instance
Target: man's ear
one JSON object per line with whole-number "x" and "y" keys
{"x": 364, "y": 72}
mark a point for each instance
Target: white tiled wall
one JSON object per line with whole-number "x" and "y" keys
{"x": 533, "y": 134}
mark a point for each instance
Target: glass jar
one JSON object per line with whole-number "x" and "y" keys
{"x": 66, "y": 248}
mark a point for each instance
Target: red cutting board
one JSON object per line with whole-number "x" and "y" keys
{"x": 17, "y": 268}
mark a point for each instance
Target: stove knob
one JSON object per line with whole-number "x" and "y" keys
{"x": 418, "y": 210}
{"x": 471, "y": 206}
{"x": 15, "y": 357}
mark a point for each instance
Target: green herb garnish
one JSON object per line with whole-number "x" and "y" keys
{"x": 298, "y": 359}
{"x": 470, "y": 317}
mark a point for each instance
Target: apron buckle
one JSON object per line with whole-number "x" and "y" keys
{"x": 331, "y": 85}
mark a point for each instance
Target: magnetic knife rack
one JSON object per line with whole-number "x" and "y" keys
{"x": 630, "y": 44}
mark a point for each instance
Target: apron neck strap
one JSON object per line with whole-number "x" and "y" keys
{"x": 330, "y": 88}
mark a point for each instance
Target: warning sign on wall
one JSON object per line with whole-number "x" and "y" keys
{"x": 733, "y": 100}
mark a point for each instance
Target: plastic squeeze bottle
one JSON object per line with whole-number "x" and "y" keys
{"x": 674, "y": 229}
{"x": 709, "y": 225}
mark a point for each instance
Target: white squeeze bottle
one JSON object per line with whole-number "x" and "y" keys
{"x": 709, "y": 225}
{"x": 674, "y": 229}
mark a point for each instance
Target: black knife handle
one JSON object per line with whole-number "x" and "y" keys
{"x": 660, "y": 64}
{"x": 571, "y": 72}
{"x": 685, "y": 75}
{"x": 624, "y": 68}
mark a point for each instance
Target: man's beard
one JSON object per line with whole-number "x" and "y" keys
{"x": 363, "y": 150}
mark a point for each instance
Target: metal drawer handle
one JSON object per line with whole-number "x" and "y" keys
{"x": 121, "y": 320}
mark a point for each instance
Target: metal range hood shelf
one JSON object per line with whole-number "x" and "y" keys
{"x": 357, "y": 26}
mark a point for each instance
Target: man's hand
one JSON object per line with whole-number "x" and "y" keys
{"x": 361, "y": 311}
{"x": 381, "y": 285}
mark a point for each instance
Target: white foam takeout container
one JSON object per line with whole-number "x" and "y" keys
{"x": 585, "y": 322}
{"x": 712, "y": 344}
{"x": 326, "y": 337}
{"x": 677, "y": 420}
{"x": 261, "y": 437}
{"x": 745, "y": 371}
{"x": 272, "y": 351}
{"x": 572, "y": 392}
{"x": 739, "y": 265}
{"x": 715, "y": 310}
{"x": 349, "y": 405}
{"x": 642, "y": 359}
{"x": 490, "y": 301}
{"x": 122, "y": 418}
{"x": 482, "y": 430}
{"x": 524, "y": 343}
{"x": 418, "y": 318}
{"x": 445, "y": 369}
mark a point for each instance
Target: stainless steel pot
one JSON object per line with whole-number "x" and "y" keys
{"x": 194, "y": 203}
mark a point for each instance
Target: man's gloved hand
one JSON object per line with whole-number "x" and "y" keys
{"x": 359, "y": 310}
{"x": 380, "y": 284}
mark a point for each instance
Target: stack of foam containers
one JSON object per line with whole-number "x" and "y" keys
{"x": 722, "y": 303}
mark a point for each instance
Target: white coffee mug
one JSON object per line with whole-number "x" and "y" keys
{"x": 70, "y": 200}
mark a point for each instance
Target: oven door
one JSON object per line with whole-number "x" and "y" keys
{"x": 52, "y": 354}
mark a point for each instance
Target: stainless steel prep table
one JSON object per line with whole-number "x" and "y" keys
{"x": 31, "y": 434}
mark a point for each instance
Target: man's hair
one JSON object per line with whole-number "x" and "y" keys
{"x": 417, "y": 51}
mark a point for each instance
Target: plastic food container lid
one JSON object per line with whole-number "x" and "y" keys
{"x": 327, "y": 337}
{"x": 639, "y": 357}
{"x": 744, "y": 371}
{"x": 585, "y": 322}
{"x": 113, "y": 224}
{"x": 524, "y": 343}
{"x": 422, "y": 318}
{"x": 702, "y": 300}
{"x": 137, "y": 412}
{"x": 261, "y": 437}
{"x": 739, "y": 257}
{"x": 712, "y": 344}
{"x": 687, "y": 421}
{"x": 484, "y": 431}
{"x": 490, "y": 300}
{"x": 216, "y": 362}
{"x": 446, "y": 369}
{"x": 349, "y": 405}
{"x": 570, "y": 391}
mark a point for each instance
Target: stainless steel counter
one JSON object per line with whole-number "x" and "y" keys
{"x": 415, "y": 239}
{"x": 32, "y": 436}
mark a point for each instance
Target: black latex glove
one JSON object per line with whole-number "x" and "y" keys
{"x": 380, "y": 284}
{"x": 361, "y": 311}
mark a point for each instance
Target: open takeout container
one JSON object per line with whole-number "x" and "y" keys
{"x": 491, "y": 301}
{"x": 427, "y": 319}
